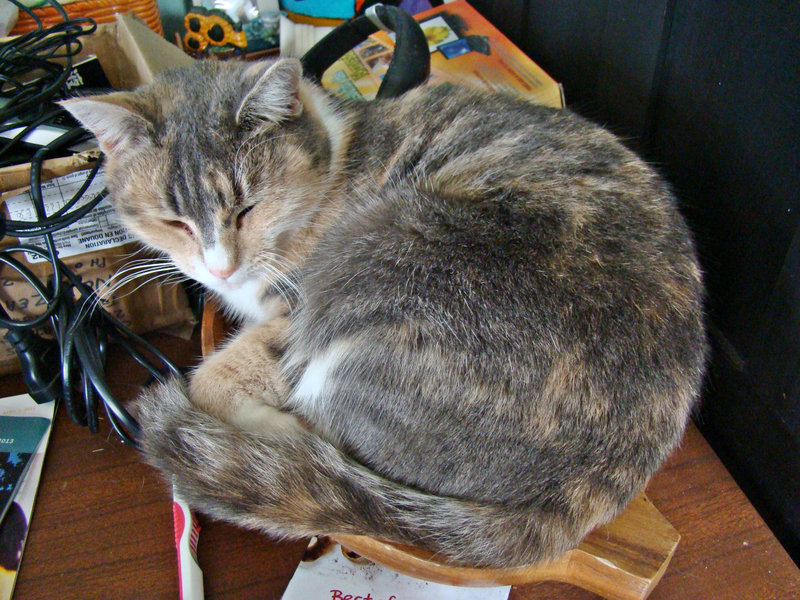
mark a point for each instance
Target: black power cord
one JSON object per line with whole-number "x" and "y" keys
{"x": 69, "y": 364}
{"x": 34, "y": 68}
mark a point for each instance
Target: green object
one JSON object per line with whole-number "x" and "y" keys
{"x": 19, "y": 438}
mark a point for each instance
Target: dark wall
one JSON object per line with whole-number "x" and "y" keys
{"x": 709, "y": 92}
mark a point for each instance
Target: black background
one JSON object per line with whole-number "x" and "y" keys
{"x": 709, "y": 92}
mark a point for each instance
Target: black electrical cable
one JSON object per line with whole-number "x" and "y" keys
{"x": 39, "y": 49}
{"x": 68, "y": 365}
{"x": 21, "y": 135}
{"x": 34, "y": 69}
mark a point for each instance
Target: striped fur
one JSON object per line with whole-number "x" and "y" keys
{"x": 474, "y": 325}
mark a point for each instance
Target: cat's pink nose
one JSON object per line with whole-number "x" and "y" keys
{"x": 222, "y": 272}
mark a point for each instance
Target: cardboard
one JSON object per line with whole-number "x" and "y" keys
{"x": 16, "y": 178}
{"x": 131, "y": 54}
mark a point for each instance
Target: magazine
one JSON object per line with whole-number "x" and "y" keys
{"x": 36, "y": 420}
{"x": 465, "y": 49}
{"x": 19, "y": 438}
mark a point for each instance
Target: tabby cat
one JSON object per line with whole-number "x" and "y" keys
{"x": 470, "y": 324}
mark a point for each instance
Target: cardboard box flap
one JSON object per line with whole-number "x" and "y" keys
{"x": 147, "y": 51}
{"x": 130, "y": 53}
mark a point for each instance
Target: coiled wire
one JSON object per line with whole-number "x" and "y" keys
{"x": 81, "y": 328}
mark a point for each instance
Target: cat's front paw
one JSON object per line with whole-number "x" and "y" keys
{"x": 241, "y": 396}
{"x": 242, "y": 383}
{"x": 263, "y": 418}
{"x": 249, "y": 403}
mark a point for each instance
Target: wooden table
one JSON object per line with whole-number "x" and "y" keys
{"x": 102, "y": 526}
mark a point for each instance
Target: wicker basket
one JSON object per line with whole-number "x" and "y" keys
{"x": 102, "y": 11}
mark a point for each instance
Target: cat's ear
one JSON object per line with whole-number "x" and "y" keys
{"x": 116, "y": 126}
{"x": 273, "y": 96}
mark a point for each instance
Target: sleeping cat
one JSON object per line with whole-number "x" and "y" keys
{"x": 471, "y": 324}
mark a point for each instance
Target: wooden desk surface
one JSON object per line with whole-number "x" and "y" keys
{"x": 102, "y": 526}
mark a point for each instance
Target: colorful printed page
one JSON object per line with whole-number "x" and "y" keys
{"x": 466, "y": 50}
{"x": 16, "y": 522}
{"x": 19, "y": 438}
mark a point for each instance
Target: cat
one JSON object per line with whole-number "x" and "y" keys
{"x": 470, "y": 324}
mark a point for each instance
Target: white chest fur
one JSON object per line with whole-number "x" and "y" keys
{"x": 248, "y": 302}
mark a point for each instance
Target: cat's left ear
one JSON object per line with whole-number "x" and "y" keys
{"x": 273, "y": 96}
{"x": 116, "y": 126}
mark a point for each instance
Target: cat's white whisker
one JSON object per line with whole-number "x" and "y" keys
{"x": 132, "y": 253}
{"x": 163, "y": 268}
{"x": 135, "y": 270}
{"x": 281, "y": 282}
{"x": 124, "y": 276}
{"x": 170, "y": 279}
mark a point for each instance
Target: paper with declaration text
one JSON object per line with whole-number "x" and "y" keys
{"x": 334, "y": 577}
{"x": 99, "y": 230}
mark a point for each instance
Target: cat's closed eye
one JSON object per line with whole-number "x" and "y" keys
{"x": 180, "y": 225}
{"x": 241, "y": 215}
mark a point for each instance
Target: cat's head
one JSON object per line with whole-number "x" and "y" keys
{"x": 220, "y": 165}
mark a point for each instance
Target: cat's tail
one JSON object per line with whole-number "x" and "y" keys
{"x": 292, "y": 483}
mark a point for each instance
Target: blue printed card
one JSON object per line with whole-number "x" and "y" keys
{"x": 19, "y": 438}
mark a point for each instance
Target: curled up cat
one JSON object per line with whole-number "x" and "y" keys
{"x": 470, "y": 324}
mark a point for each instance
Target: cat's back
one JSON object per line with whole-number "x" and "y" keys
{"x": 483, "y": 200}
{"x": 441, "y": 130}
{"x": 520, "y": 278}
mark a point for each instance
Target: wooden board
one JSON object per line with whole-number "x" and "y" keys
{"x": 623, "y": 560}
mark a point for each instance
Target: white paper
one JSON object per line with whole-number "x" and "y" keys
{"x": 335, "y": 577}
{"x": 98, "y": 230}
